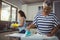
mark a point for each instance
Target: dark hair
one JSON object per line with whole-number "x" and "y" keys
{"x": 22, "y": 14}
{"x": 49, "y": 2}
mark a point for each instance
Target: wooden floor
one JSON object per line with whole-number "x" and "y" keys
{"x": 3, "y": 37}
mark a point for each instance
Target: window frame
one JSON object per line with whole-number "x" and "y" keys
{"x": 10, "y": 10}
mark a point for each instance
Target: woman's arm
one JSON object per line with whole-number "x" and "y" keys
{"x": 55, "y": 29}
{"x": 31, "y": 26}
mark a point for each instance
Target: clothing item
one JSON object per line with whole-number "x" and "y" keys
{"x": 45, "y": 24}
{"x": 23, "y": 31}
{"x": 23, "y": 27}
{"x": 39, "y": 37}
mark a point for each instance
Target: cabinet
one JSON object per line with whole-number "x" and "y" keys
{"x": 57, "y": 8}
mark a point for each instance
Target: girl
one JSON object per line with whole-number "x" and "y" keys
{"x": 21, "y": 21}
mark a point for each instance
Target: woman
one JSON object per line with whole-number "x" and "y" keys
{"x": 21, "y": 21}
{"x": 46, "y": 23}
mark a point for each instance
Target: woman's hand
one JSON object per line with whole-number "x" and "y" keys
{"x": 50, "y": 34}
{"x": 28, "y": 28}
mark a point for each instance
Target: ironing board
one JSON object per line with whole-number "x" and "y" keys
{"x": 32, "y": 37}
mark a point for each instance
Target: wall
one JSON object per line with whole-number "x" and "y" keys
{"x": 0, "y": 9}
{"x": 31, "y": 10}
{"x": 25, "y": 9}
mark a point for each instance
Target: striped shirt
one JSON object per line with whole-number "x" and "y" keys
{"x": 45, "y": 24}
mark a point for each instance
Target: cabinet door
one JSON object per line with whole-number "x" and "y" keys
{"x": 57, "y": 8}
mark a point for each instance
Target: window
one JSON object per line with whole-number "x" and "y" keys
{"x": 5, "y": 14}
{"x": 13, "y": 18}
{"x": 8, "y": 12}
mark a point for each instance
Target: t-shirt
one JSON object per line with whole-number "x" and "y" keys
{"x": 45, "y": 24}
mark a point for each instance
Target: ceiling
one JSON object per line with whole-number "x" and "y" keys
{"x": 30, "y": 1}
